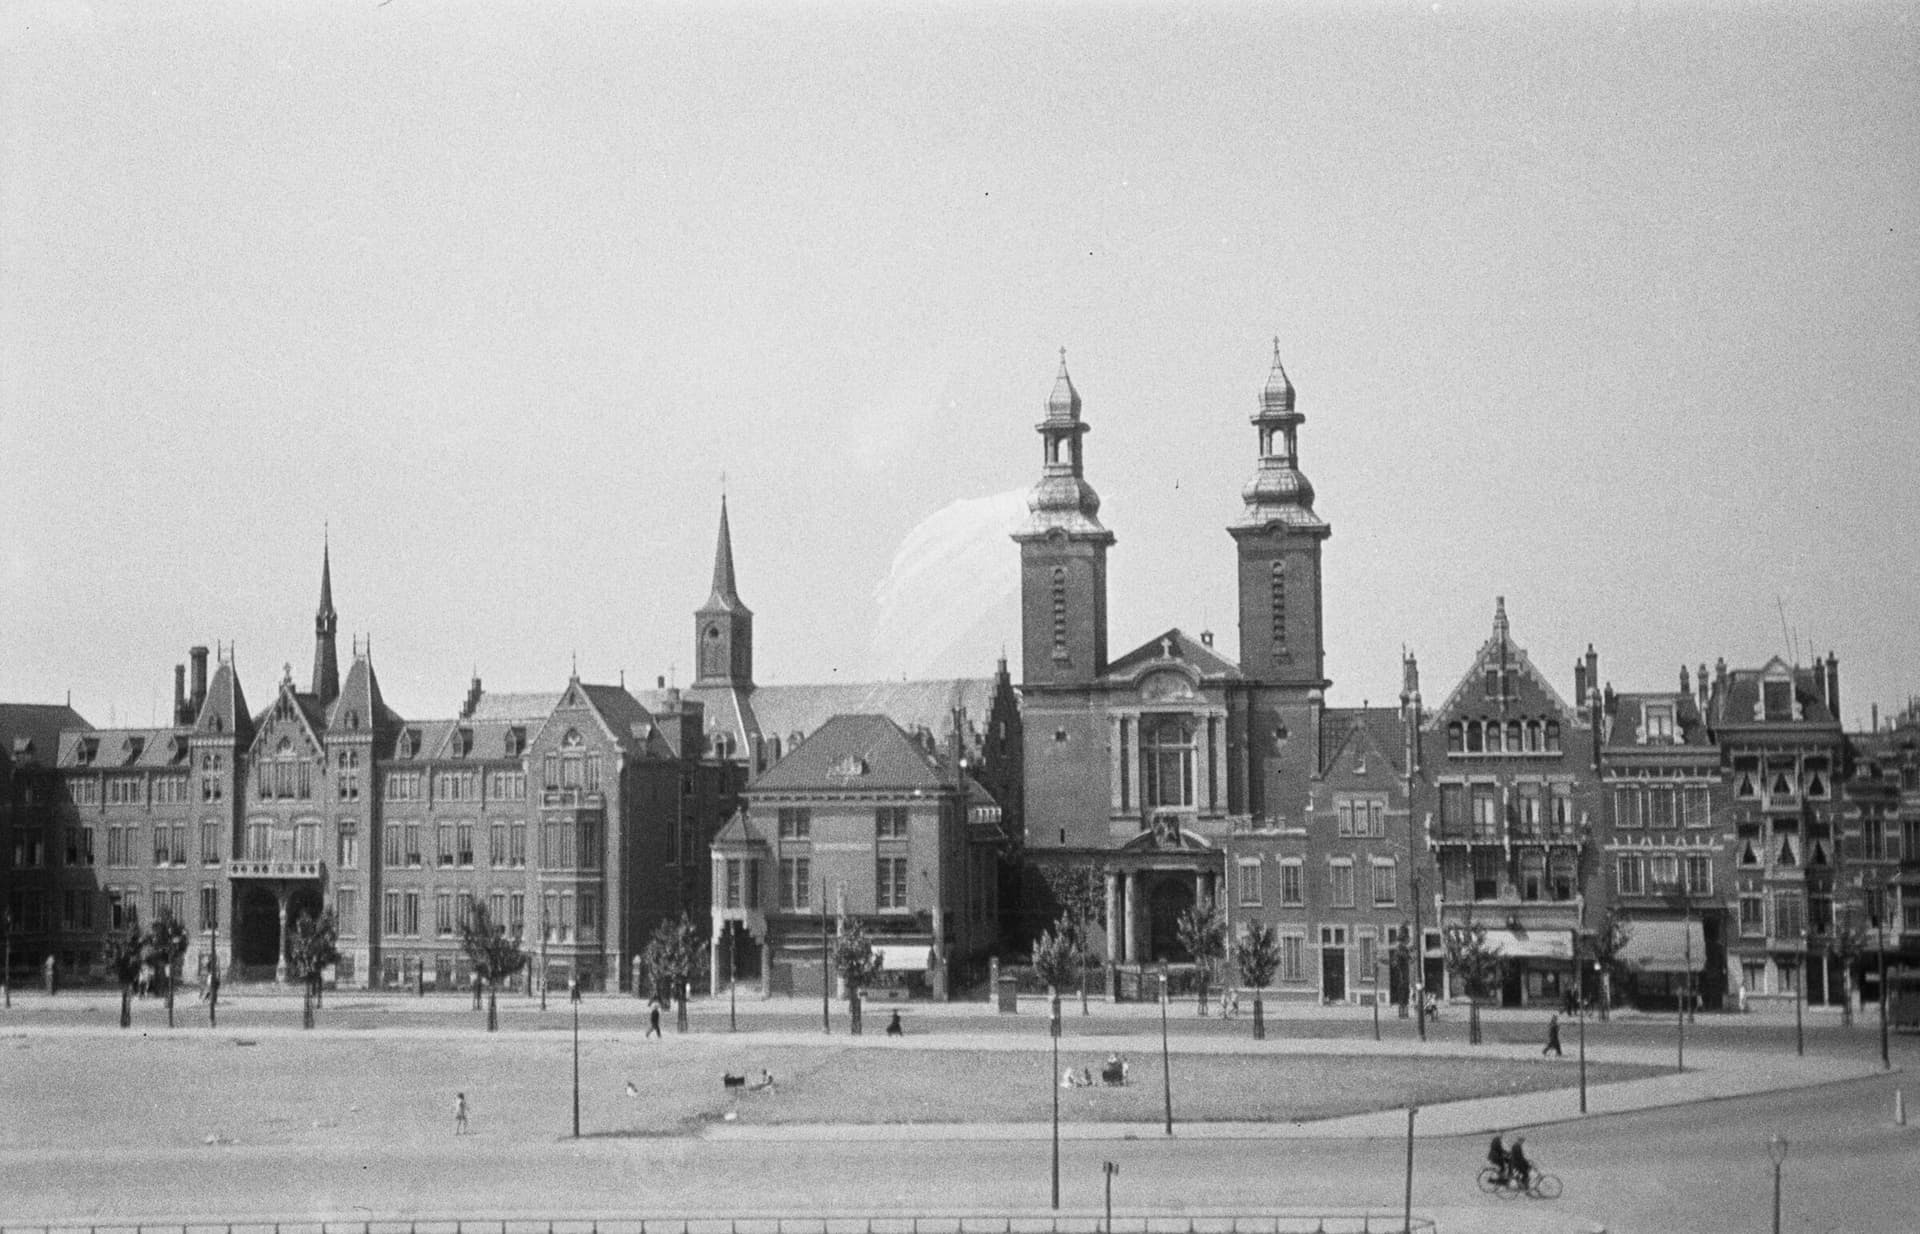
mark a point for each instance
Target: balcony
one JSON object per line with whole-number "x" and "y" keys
{"x": 250, "y": 868}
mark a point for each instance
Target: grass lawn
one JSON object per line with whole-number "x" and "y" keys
{"x": 98, "y": 1091}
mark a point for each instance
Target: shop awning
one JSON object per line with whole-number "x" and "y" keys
{"x": 1531, "y": 944}
{"x": 904, "y": 958}
{"x": 1664, "y": 946}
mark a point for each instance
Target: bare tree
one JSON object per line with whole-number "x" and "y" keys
{"x": 1257, "y": 955}
{"x": 1203, "y": 932}
{"x": 1477, "y": 965}
{"x": 494, "y": 955}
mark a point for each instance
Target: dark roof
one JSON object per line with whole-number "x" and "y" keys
{"x": 1205, "y": 661}
{"x": 631, "y": 724}
{"x": 1348, "y": 734}
{"x": 738, "y": 831}
{"x": 32, "y": 731}
{"x": 225, "y": 707}
{"x": 360, "y": 698}
{"x": 522, "y": 707}
{"x": 867, "y": 752}
{"x": 783, "y": 711}
{"x": 117, "y": 748}
{"x": 1624, "y": 726}
{"x": 1738, "y": 700}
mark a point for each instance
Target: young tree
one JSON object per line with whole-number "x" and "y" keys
{"x": 1400, "y": 964}
{"x": 126, "y": 955}
{"x": 1257, "y": 955}
{"x": 1081, "y": 893}
{"x": 1203, "y": 932}
{"x": 1845, "y": 945}
{"x": 857, "y": 963}
{"x": 310, "y": 949}
{"x": 1477, "y": 965}
{"x": 494, "y": 955}
{"x": 166, "y": 942}
{"x": 668, "y": 962}
{"x": 1607, "y": 940}
{"x": 1057, "y": 956}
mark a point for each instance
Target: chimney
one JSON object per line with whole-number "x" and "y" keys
{"x": 1580, "y": 683}
{"x": 1593, "y": 668}
{"x": 1409, "y": 678}
{"x": 472, "y": 703}
{"x": 180, "y": 715}
{"x": 1719, "y": 674}
{"x": 956, "y": 740}
{"x": 1876, "y": 718}
{"x": 1686, "y": 682}
{"x": 1701, "y": 680}
{"x": 1833, "y": 684}
{"x": 659, "y": 683}
{"x": 198, "y": 657}
{"x": 1612, "y": 700}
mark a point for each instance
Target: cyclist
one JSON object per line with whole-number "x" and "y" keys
{"x": 1519, "y": 1169}
{"x": 1497, "y": 1157}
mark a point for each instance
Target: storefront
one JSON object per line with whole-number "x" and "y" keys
{"x": 1665, "y": 961}
{"x": 1539, "y": 967}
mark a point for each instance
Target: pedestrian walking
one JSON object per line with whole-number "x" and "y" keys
{"x": 459, "y": 1114}
{"x": 653, "y": 1018}
{"x": 1553, "y": 1038}
{"x": 893, "y": 1026}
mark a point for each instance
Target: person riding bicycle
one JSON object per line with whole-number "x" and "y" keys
{"x": 1519, "y": 1169}
{"x": 1497, "y": 1157}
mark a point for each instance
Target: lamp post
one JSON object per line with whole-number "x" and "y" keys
{"x": 826, "y": 966}
{"x": 6, "y": 974}
{"x": 1411, "y": 1111}
{"x": 213, "y": 975}
{"x": 1053, "y": 1029}
{"x": 1880, "y": 929}
{"x": 1800, "y": 999}
{"x": 543, "y": 954}
{"x": 1166, "y": 1056}
{"x": 733, "y": 978}
{"x": 1777, "y": 1150}
{"x": 1376, "y": 997}
{"x": 573, "y": 996}
{"x": 1111, "y": 1168}
{"x": 1581, "y": 1000}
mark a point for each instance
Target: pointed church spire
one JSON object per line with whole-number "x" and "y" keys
{"x": 723, "y": 626}
{"x": 326, "y": 659}
{"x": 724, "y": 594}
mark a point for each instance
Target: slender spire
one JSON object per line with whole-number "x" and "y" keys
{"x": 326, "y": 657}
{"x": 1063, "y": 500}
{"x": 1279, "y": 492}
{"x": 725, "y": 594}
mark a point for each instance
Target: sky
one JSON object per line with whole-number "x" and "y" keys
{"x": 1608, "y": 309}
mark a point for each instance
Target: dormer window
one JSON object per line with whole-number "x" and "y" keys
{"x": 515, "y": 742}
{"x": 85, "y": 751}
{"x": 1776, "y": 700}
{"x": 462, "y": 742}
{"x": 410, "y": 743}
{"x": 1659, "y": 724}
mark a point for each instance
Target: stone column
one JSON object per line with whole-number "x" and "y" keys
{"x": 1113, "y": 917}
{"x": 766, "y": 969}
{"x": 1132, "y": 941}
{"x": 280, "y": 953}
{"x": 1200, "y": 895}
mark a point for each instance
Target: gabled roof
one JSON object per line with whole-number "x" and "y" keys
{"x": 860, "y": 752}
{"x": 525, "y": 708}
{"x": 1500, "y": 651}
{"x": 31, "y": 731}
{"x": 120, "y": 749}
{"x": 739, "y": 832}
{"x": 631, "y": 724}
{"x": 432, "y": 734}
{"x": 1372, "y": 735}
{"x": 784, "y": 710}
{"x": 224, "y": 710}
{"x": 1175, "y": 644}
{"x": 360, "y": 704}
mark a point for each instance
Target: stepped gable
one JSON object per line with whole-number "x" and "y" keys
{"x": 1502, "y": 653}
{"x": 864, "y": 752}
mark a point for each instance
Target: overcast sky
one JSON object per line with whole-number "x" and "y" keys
{"x": 1610, "y": 309}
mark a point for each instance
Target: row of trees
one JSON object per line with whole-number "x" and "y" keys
{"x": 150, "y": 958}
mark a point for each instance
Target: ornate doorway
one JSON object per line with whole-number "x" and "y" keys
{"x": 1170, "y": 896}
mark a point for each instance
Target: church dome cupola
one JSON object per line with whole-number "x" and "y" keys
{"x": 1063, "y": 500}
{"x": 1279, "y": 492}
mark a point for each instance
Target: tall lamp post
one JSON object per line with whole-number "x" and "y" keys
{"x": 1166, "y": 1056}
{"x": 733, "y": 978}
{"x": 6, "y": 974}
{"x": 1880, "y": 931}
{"x": 573, "y": 996}
{"x": 1377, "y": 987}
{"x": 1800, "y": 999}
{"x": 826, "y": 966}
{"x": 1053, "y": 1029}
{"x": 1777, "y": 1150}
{"x": 543, "y": 955}
{"x": 1111, "y": 1168}
{"x": 1581, "y": 1001}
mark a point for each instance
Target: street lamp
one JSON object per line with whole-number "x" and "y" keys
{"x": 733, "y": 978}
{"x": 1111, "y": 1169}
{"x": 1880, "y": 930}
{"x": 1376, "y": 996}
{"x": 544, "y": 930}
{"x": 6, "y": 974}
{"x": 1777, "y": 1150}
{"x": 1580, "y": 998}
{"x": 1799, "y": 999}
{"x": 573, "y": 996}
{"x": 1053, "y": 1028}
{"x": 1166, "y": 1064}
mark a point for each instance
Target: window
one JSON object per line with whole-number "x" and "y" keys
{"x": 1476, "y": 738}
{"x": 1663, "y": 872}
{"x": 736, "y": 882}
{"x": 1059, "y": 613}
{"x": 446, "y": 844}
{"x": 1660, "y": 808}
{"x": 125, "y": 790}
{"x": 507, "y": 786}
{"x": 403, "y": 786}
{"x": 396, "y": 851}
{"x": 1486, "y": 813}
{"x": 1486, "y": 873}
{"x": 1696, "y": 807}
{"x": 346, "y": 777}
{"x": 1659, "y": 725}
{"x": 259, "y": 840}
{"x": 1553, "y": 736}
{"x": 796, "y": 883}
{"x": 1789, "y": 914}
{"x": 890, "y": 822}
{"x": 1369, "y": 958}
{"x": 517, "y": 845}
{"x": 1278, "y": 593}
{"x": 170, "y": 790}
{"x": 411, "y": 925}
{"x": 1753, "y": 974}
{"x": 557, "y": 846}
{"x": 1362, "y": 817}
{"x": 1292, "y": 882}
{"x": 85, "y": 791}
{"x": 890, "y": 882}
{"x": 1626, "y": 809}
{"x": 212, "y": 786}
{"x": 209, "y": 908}
{"x": 162, "y": 855}
{"x": 346, "y": 909}
{"x": 589, "y": 926}
{"x": 210, "y": 846}
{"x": 1531, "y": 818}
{"x": 391, "y": 925}
{"x": 1293, "y": 965}
{"x": 306, "y": 842}
{"x": 1777, "y": 700}
{"x": 1561, "y": 801}
{"x": 1249, "y": 875}
{"x": 443, "y": 914}
{"x": 464, "y": 845}
{"x": 1563, "y": 871}
{"x": 413, "y": 845}
{"x": 1340, "y": 881}
{"x": 1631, "y": 878}
{"x": 497, "y": 845}
{"x": 349, "y": 845}
{"x": 1385, "y": 884}
{"x": 1453, "y": 809}
{"x": 517, "y": 913}
{"x": 1167, "y": 752}
{"x": 796, "y": 823}
{"x": 1456, "y": 739}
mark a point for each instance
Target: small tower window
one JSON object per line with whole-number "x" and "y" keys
{"x": 713, "y": 653}
{"x": 1278, "y": 585}
{"x": 1059, "y": 613}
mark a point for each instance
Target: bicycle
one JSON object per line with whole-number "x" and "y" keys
{"x": 1540, "y": 1185}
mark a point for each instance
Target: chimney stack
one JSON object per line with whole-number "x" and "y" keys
{"x": 1686, "y": 681}
{"x": 1833, "y": 684}
{"x": 198, "y": 657}
{"x": 472, "y": 703}
{"x": 1593, "y": 668}
{"x": 1579, "y": 683}
{"x": 1701, "y": 682}
{"x": 180, "y": 695}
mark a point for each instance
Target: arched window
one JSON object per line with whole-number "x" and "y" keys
{"x": 1456, "y": 737}
{"x": 713, "y": 653}
{"x": 1167, "y": 759}
{"x": 1513, "y": 736}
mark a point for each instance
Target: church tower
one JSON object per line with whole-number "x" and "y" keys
{"x": 1063, "y": 556}
{"x": 326, "y": 659}
{"x": 723, "y": 626}
{"x": 1279, "y": 538}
